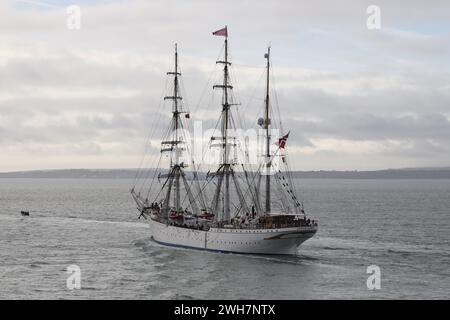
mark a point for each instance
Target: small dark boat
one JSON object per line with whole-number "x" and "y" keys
{"x": 25, "y": 213}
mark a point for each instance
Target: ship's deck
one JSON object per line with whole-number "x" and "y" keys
{"x": 205, "y": 225}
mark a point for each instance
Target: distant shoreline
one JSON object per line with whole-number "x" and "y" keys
{"x": 410, "y": 173}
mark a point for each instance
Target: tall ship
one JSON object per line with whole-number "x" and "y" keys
{"x": 233, "y": 206}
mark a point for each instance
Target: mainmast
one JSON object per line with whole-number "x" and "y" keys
{"x": 225, "y": 167}
{"x": 225, "y": 170}
{"x": 225, "y": 126}
{"x": 267, "y": 128}
{"x": 226, "y": 110}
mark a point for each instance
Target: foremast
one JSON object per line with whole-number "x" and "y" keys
{"x": 174, "y": 146}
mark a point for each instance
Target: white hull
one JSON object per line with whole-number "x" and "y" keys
{"x": 255, "y": 241}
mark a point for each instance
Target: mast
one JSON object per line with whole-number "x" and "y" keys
{"x": 176, "y": 120}
{"x": 226, "y": 109}
{"x": 175, "y": 166}
{"x": 225, "y": 169}
{"x": 267, "y": 128}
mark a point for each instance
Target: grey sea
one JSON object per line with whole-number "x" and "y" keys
{"x": 401, "y": 226}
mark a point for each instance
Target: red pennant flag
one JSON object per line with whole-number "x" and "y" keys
{"x": 282, "y": 141}
{"x": 221, "y": 32}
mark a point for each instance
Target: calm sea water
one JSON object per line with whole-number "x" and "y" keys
{"x": 402, "y": 226}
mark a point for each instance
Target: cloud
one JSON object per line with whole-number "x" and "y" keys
{"x": 363, "y": 99}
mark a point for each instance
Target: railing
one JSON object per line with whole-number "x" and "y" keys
{"x": 223, "y": 225}
{"x": 264, "y": 225}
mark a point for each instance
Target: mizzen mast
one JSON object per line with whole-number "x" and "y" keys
{"x": 267, "y": 129}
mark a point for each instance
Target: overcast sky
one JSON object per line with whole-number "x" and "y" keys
{"x": 354, "y": 98}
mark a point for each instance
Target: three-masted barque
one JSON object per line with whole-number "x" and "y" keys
{"x": 250, "y": 211}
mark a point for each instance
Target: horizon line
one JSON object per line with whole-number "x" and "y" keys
{"x": 311, "y": 170}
